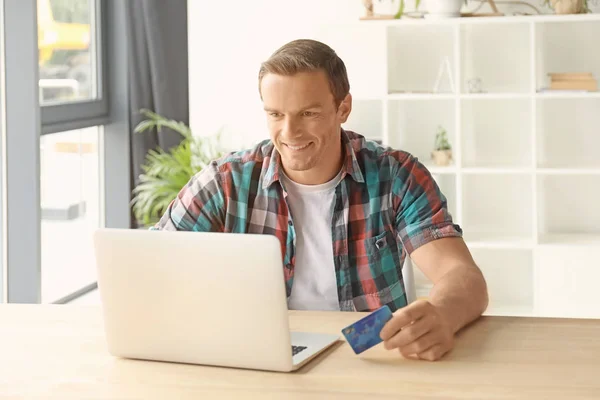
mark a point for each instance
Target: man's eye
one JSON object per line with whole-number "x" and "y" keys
{"x": 309, "y": 114}
{"x": 274, "y": 114}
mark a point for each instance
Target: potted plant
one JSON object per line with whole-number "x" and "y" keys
{"x": 442, "y": 153}
{"x": 562, "y": 7}
{"x": 403, "y": 5}
{"x": 165, "y": 173}
{"x": 386, "y": 8}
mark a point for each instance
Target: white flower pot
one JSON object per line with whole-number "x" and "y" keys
{"x": 386, "y": 7}
{"x": 567, "y": 6}
{"x": 437, "y": 9}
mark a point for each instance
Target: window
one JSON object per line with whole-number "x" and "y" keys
{"x": 67, "y": 55}
{"x": 71, "y": 209}
{"x": 70, "y": 59}
{"x": 73, "y": 109}
{"x": 57, "y": 132}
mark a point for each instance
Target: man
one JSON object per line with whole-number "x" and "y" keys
{"x": 346, "y": 211}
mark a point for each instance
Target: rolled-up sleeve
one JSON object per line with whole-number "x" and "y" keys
{"x": 421, "y": 208}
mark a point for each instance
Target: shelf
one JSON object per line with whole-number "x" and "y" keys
{"x": 567, "y": 133}
{"x": 500, "y": 20}
{"x": 447, "y": 185}
{"x": 570, "y": 239}
{"x": 496, "y": 133}
{"x": 509, "y": 277}
{"x": 494, "y": 96}
{"x": 511, "y": 311}
{"x": 412, "y": 126}
{"x": 555, "y": 18}
{"x": 497, "y": 206}
{"x": 565, "y": 94}
{"x": 492, "y": 241}
{"x": 568, "y": 204}
{"x": 366, "y": 118}
{"x": 420, "y": 96}
{"x": 558, "y": 94}
{"x": 437, "y": 170}
{"x": 415, "y": 54}
{"x": 484, "y": 50}
{"x": 525, "y": 181}
{"x": 568, "y": 171}
{"x": 362, "y": 98}
{"x": 556, "y": 52}
{"x": 496, "y": 171}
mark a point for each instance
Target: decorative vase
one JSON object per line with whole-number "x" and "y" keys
{"x": 567, "y": 6}
{"x": 386, "y": 7}
{"x": 437, "y": 9}
{"x": 441, "y": 157}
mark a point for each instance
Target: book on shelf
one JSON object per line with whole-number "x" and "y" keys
{"x": 589, "y": 85}
{"x": 573, "y": 81}
{"x": 570, "y": 76}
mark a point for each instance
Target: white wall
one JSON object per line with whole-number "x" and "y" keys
{"x": 227, "y": 42}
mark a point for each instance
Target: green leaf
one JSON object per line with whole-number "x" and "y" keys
{"x": 441, "y": 140}
{"x": 400, "y": 10}
{"x": 165, "y": 173}
{"x": 157, "y": 121}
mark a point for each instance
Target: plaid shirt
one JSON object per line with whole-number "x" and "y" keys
{"x": 386, "y": 205}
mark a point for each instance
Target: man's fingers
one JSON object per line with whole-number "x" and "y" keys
{"x": 414, "y": 357}
{"x": 409, "y": 333}
{"x": 418, "y": 331}
{"x": 421, "y": 345}
{"x": 403, "y": 317}
{"x": 434, "y": 353}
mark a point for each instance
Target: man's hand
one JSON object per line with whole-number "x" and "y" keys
{"x": 419, "y": 331}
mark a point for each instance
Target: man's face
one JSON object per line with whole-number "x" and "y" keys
{"x": 303, "y": 120}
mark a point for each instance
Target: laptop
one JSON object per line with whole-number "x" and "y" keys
{"x": 199, "y": 298}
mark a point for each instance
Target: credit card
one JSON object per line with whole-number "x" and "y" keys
{"x": 364, "y": 333}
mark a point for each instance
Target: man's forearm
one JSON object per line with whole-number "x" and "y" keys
{"x": 461, "y": 295}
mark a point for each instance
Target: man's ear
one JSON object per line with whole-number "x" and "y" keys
{"x": 345, "y": 108}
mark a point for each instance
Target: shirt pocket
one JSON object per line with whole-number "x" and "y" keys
{"x": 376, "y": 273}
{"x": 376, "y": 264}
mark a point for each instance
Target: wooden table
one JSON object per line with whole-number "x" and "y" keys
{"x": 58, "y": 352}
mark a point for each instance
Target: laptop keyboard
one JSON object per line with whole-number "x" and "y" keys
{"x": 297, "y": 349}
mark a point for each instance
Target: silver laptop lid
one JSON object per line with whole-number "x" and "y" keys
{"x": 204, "y": 298}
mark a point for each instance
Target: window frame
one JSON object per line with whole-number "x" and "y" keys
{"x": 84, "y": 113}
{"x": 24, "y": 120}
{"x": 3, "y": 269}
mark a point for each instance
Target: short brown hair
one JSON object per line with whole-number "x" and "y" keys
{"x": 305, "y": 55}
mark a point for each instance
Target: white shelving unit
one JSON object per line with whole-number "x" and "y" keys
{"x": 525, "y": 181}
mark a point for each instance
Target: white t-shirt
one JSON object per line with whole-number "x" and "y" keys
{"x": 311, "y": 207}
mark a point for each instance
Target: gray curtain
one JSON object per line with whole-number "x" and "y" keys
{"x": 158, "y": 72}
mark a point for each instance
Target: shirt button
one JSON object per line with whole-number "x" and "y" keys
{"x": 290, "y": 223}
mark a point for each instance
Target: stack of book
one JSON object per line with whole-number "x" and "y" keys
{"x": 573, "y": 81}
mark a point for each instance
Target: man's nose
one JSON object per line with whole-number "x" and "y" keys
{"x": 290, "y": 128}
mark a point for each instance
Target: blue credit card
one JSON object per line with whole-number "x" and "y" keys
{"x": 364, "y": 333}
